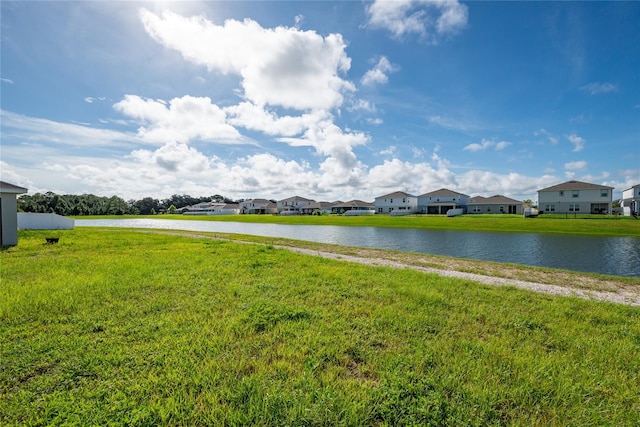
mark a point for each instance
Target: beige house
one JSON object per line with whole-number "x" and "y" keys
{"x": 258, "y": 207}
{"x": 9, "y": 213}
{"x": 494, "y": 205}
{"x": 576, "y": 197}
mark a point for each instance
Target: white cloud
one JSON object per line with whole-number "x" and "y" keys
{"x": 389, "y": 151}
{"x": 283, "y": 66}
{"x": 378, "y": 74}
{"x": 596, "y": 88}
{"x": 174, "y": 157}
{"x": 424, "y": 18}
{"x": 9, "y": 81}
{"x": 254, "y": 117}
{"x": 91, "y": 99}
{"x": 485, "y": 144}
{"x": 578, "y": 165}
{"x": 447, "y": 123}
{"x": 552, "y": 139}
{"x": 34, "y": 129}
{"x": 181, "y": 120}
{"x": 577, "y": 141}
{"x": 499, "y": 146}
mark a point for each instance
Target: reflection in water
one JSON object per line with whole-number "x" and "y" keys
{"x": 618, "y": 256}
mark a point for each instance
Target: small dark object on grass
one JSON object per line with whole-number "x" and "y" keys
{"x": 51, "y": 240}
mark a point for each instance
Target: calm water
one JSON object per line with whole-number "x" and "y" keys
{"x": 618, "y": 256}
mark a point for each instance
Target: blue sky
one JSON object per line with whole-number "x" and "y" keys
{"x": 326, "y": 100}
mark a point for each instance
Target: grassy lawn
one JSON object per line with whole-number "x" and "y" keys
{"x": 594, "y": 225}
{"x": 118, "y": 327}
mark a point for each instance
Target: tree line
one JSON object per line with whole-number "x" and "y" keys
{"x": 89, "y": 204}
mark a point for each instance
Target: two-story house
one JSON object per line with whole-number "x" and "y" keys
{"x": 440, "y": 201}
{"x": 292, "y": 205}
{"x": 258, "y": 206}
{"x": 630, "y": 202}
{"x": 397, "y": 203}
{"x": 576, "y": 197}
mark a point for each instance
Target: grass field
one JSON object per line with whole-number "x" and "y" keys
{"x": 594, "y": 225}
{"x": 128, "y": 328}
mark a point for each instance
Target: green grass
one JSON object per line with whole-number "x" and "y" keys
{"x": 595, "y": 225}
{"x": 130, "y": 328}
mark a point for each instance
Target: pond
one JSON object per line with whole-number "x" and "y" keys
{"x": 619, "y": 256}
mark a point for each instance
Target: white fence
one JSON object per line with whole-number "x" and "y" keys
{"x": 44, "y": 221}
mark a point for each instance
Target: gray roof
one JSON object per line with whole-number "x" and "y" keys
{"x": 5, "y": 187}
{"x": 320, "y": 205}
{"x": 576, "y": 185}
{"x": 355, "y": 204}
{"x": 494, "y": 200}
{"x": 442, "y": 192}
{"x": 395, "y": 194}
{"x": 296, "y": 199}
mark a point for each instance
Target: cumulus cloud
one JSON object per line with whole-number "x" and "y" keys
{"x": 425, "y": 18}
{"x": 379, "y": 73}
{"x": 596, "y": 88}
{"x": 578, "y": 165}
{"x": 283, "y": 67}
{"x": 485, "y": 144}
{"x": 179, "y": 120}
{"x": 552, "y": 139}
{"x": 577, "y": 141}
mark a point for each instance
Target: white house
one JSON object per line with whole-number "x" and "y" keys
{"x": 397, "y": 203}
{"x": 204, "y": 208}
{"x": 494, "y": 205}
{"x": 440, "y": 201}
{"x": 576, "y": 197}
{"x": 9, "y": 213}
{"x": 258, "y": 206}
{"x": 631, "y": 201}
{"x": 292, "y": 205}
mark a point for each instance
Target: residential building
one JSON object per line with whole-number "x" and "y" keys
{"x": 320, "y": 207}
{"x": 292, "y": 205}
{"x": 494, "y": 205}
{"x": 440, "y": 201}
{"x": 398, "y": 203}
{"x": 258, "y": 206}
{"x": 576, "y": 197}
{"x": 204, "y": 208}
{"x": 9, "y": 213}
{"x": 354, "y": 208}
{"x": 630, "y": 202}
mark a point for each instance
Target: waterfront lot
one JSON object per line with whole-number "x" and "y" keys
{"x": 126, "y": 327}
{"x": 562, "y": 224}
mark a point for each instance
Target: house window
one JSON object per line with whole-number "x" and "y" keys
{"x": 476, "y": 209}
{"x": 561, "y": 193}
{"x": 575, "y": 193}
{"x": 604, "y": 193}
{"x": 391, "y": 201}
{"x": 379, "y": 210}
{"x": 549, "y": 208}
{"x": 501, "y": 209}
{"x": 574, "y": 208}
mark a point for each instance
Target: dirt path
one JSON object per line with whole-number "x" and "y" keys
{"x": 627, "y": 295}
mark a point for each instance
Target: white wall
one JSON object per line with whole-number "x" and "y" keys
{"x": 44, "y": 221}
